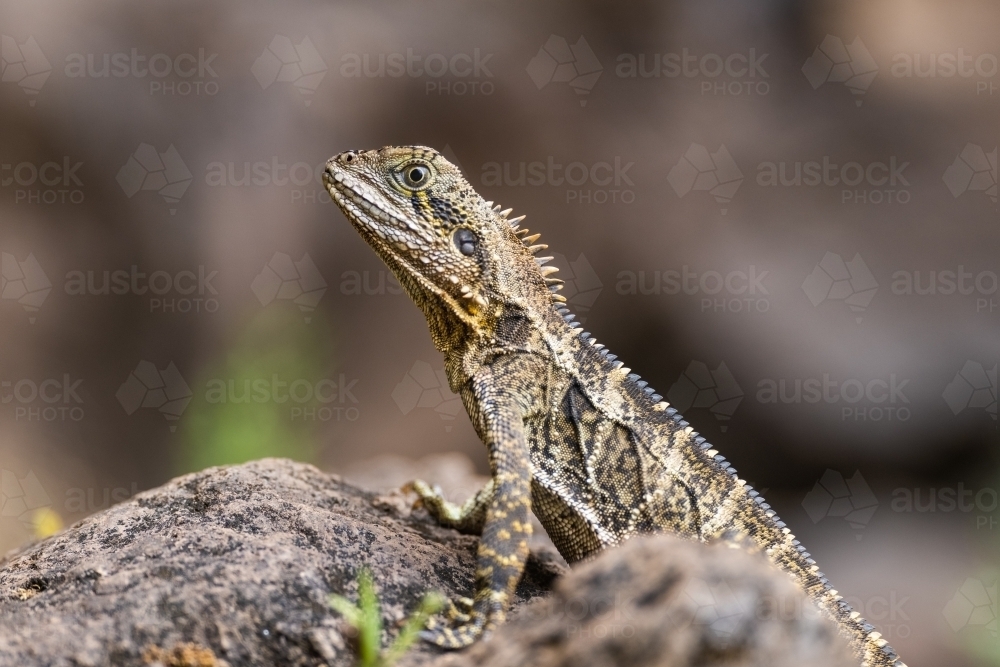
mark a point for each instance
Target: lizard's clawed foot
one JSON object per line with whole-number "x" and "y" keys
{"x": 431, "y": 498}
{"x": 459, "y": 610}
{"x": 424, "y": 492}
{"x": 474, "y": 624}
{"x": 456, "y": 611}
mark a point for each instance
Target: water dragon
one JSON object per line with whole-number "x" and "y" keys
{"x": 572, "y": 434}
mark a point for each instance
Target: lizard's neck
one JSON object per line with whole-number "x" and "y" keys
{"x": 504, "y": 327}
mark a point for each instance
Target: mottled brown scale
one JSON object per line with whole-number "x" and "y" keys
{"x": 570, "y": 434}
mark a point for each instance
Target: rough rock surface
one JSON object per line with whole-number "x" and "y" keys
{"x": 238, "y": 560}
{"x": 232, "y": 566}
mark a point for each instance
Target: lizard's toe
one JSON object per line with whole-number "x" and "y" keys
{"x": 459, "y": 610}
{"x": 453, "y": 638}
{"x": 427, "y": 496}
{"x": 474, "y": 625}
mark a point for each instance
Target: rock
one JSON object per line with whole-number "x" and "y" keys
{"x": 661, "y": 601}
{"x": 230, "y": 566}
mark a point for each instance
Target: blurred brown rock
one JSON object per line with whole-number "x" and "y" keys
{"x": 661, "y": 601}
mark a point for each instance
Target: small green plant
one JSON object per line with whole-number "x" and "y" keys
{"x": 366, "y": 619}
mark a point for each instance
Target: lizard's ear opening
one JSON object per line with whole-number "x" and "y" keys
{"x": 466, "y": 241}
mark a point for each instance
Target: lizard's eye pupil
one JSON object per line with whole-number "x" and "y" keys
{"x": 417, "y": 175}
{"x": 465, "y": 241}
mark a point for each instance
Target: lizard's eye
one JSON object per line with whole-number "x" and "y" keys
{"x": 415, "y": 176}
{"x": 465, "y": 241}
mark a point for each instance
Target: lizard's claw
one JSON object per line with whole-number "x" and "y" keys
{"x": 459, "y": 609}
{"x": 456, "y": 611}
{"x": 425, "y": 492}
{"x": 477, "y": 624}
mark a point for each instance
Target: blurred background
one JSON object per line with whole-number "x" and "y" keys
{"x": 782, "y": 214}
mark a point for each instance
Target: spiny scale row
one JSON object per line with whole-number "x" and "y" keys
{"x": 528, "y": 239}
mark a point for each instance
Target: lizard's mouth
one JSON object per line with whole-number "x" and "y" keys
{"x": 361, "y": 204}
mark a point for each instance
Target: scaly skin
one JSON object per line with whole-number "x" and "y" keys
{"x": 571, "y": 433}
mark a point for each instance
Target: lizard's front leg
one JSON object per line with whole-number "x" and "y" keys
{"x": 503, "y": 547}
{"x": 467, "y": 518}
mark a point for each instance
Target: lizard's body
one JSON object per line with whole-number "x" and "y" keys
{"x": 571, "y": 433}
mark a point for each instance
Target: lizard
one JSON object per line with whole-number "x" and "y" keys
{"x": 571, "y": 433}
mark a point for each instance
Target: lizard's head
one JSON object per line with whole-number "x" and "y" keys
{"x": 453, "y": 252}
